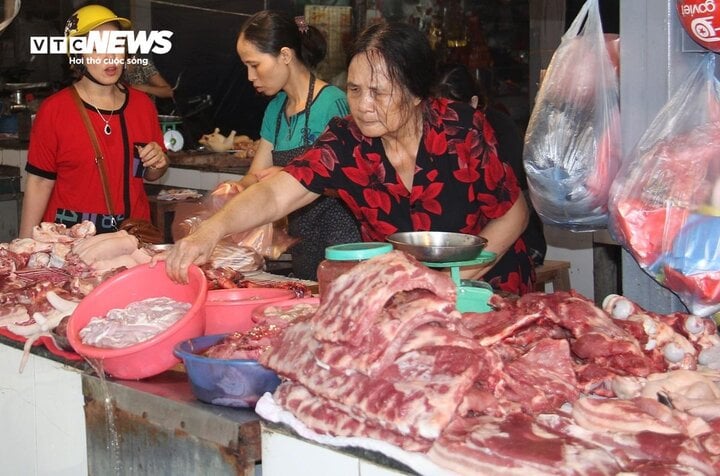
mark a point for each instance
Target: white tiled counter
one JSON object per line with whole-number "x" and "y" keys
{"x": 54, "y": 422}
{"x": 42, "y": 424}
{"x": 285, "y": 454}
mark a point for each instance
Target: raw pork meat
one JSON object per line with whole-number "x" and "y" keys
{"x": 517, "y": 390}
{"x": 354, "y": 301}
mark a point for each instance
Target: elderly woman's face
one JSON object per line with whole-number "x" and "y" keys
{"x": 378, "y": 105}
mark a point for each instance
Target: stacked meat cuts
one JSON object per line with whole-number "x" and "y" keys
{"x": 223, "y": 277}
{"x": 546, "y": 384}
{"x": 42, "y": 278}
{"x": 73, "y": 260}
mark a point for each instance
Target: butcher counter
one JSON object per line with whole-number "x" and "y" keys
{"x": 188, "y": 169}
{"x": 203, "y": 169}
{"x": 54, "y": 421}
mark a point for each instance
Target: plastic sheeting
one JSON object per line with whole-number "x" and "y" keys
{"x": 572, "y": 144}
{"x": 665, "y": 202}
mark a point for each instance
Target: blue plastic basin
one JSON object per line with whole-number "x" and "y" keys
{"x": 227, "y": 382}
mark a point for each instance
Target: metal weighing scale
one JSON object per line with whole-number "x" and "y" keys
{"x": 470, "y": 298}
{"x": 172, "y": 137}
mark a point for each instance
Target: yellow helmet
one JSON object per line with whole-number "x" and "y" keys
{"x": 92, "y": 16}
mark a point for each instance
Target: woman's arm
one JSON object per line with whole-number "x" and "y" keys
{"x": 501, "y": 234}
{"x": 35, "y": 200}
{"x": 263, "y": 203}
{"x": 261, "y": 160}
{"x": 157, "y": 86}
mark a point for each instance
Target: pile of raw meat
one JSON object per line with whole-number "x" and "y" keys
{"x": 44, "y": 277}
{"x": 544, "y": 384}
{"x": 264, "y": 333}
{"x": 137, "y": 322}
{"x": 223, "y": 277}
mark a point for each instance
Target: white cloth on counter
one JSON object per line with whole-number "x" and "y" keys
{"x": 270, "y": 410}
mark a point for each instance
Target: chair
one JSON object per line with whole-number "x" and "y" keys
{"x": 555, "y": 272}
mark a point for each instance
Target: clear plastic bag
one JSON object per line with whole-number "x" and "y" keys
{"x": 572, "y": 144}
{"x": 665, "y": 202}
{"x": 240, "y": 258}
{"x": 269, "y": 240}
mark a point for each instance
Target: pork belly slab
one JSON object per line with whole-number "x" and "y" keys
{"x": 387, "y": 356}
{"x": 515, "y": 445}
{"x": 353, "y": 352}
{"x": 541, "y": 380}
{"x": 354, "y": 301}
{"x": 636, "y": 415}
{"x": 638, "y": 452}
{"x": 325, "y": 416}
{"x": 379, "y": 346}
{"x": 415, "y": 395}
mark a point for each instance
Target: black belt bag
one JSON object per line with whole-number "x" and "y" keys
{"x": 103, "y": 223}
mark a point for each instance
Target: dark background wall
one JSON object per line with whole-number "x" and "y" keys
{"x": 212, "y": 87}
{"x": 205, "y": 66}
{"x": 609, "y": 12}
{"x": 211, "y": 80}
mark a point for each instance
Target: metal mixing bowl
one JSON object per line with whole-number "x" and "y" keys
{"x": 438, "y": 246}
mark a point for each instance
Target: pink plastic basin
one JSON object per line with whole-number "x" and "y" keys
{"x": 154, "y": 355}
{"x": 230, "y": 310}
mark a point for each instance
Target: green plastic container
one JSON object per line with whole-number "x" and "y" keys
{"x": 473, "y": 299}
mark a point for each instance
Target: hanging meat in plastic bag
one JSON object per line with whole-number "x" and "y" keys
{"x": 665, "y": 201}
{"x": 692, "y": 267}
{"x": 572, "y": 144}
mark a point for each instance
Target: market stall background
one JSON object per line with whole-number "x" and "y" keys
{"x": 508, "y": 42}
{"x": 211, "y": 81}
{"x": 652, "y": 34}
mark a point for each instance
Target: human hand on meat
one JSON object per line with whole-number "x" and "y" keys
{"x": 153, "y": 159}
{"x": 258, "y": 205}
{"x": 195, "y": 248}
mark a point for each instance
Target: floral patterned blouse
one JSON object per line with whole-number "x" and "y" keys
{"x": 459, "y": 185}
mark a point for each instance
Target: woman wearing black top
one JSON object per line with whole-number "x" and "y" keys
{"x": 456, "y": 82}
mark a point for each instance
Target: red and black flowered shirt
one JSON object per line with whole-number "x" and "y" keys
{"x": 459, "y": 185}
